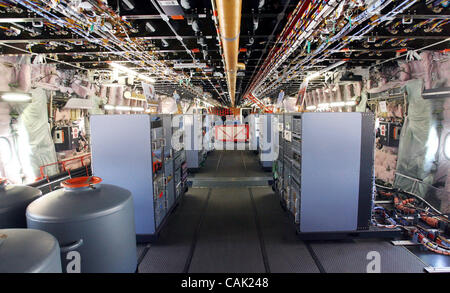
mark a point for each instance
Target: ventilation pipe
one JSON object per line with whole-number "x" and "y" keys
{"x": 229, "y": 14}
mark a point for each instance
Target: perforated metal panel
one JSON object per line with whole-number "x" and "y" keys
{"x": 352, "y": 257}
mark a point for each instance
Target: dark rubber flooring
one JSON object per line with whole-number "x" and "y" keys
{"x": 243, "y": 229}
{"x": 227, "y": 239}
{"x": 220, "y": 164}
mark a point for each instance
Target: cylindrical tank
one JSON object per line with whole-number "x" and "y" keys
{"x": 14, "y": 200}
{"x": 28, "y": 251}
{"x": 93, "y": 222}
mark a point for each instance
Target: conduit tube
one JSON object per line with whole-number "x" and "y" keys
{"x": 229, "y": 14}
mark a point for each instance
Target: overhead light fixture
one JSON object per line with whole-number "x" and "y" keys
{"x": 164, "y": 43}
{"x": 130, "y": 71}
{"x": 36, "y": 23}
{"x": 123, "y": 108}
{"x": 16, "y": 97}
{"x": 331, "y": 105}
{"x": 195, "y": 26}
{"x": 128, "y": 4}
{"x": 149, "y": 27}
{"x": 319, "y": 73}
{"x": 127, "y": 95}
{"x": 337, "y": 104}
{"x": 185, "y": 4}
{"x": 137, "y": 109}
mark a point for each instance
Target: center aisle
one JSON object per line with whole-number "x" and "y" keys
{"x": 214, "y": 229}
{"x": 228, "y": 229}
{"x": 228, "y": 239}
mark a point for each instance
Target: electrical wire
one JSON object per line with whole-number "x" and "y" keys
{"x": 432, "y": 240}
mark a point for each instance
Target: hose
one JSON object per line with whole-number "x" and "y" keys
{"x": 432, "y": 246}
{"x": 415, "y": 196}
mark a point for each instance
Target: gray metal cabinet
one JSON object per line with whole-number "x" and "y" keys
{"x": 336, "y": 171}
{"x": 124, "y": 148}
{"x": 327, "y": 170}
{"x": 170, "y": 183}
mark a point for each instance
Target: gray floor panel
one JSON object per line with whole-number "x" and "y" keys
{"x": 230, "y": 181}
{"x": 211, "y": 164}
{"x": 252, "y": 165}
{"x": 285, "y": 252}
{"x": 169, "y": 253}
{"x": 231, "y": 165}
{"x": 228, "y": 241}
{"x": 351, "y": 256}
{"x": 236, "y": 163}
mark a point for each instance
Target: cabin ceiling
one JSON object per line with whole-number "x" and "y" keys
{"x": 139, "y": 37}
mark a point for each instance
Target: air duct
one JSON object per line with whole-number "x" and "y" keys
{"x": 229, "y": 14}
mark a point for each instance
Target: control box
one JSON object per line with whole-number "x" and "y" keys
{"x": 65, "y": 138}
{"x": 389, "y": 133}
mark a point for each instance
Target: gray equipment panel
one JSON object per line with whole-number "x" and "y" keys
{"x": 122, "y": 155}
{"x": 331, "y": 148}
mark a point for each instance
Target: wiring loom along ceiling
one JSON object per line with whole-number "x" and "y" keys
{"x": 177, "y": 43}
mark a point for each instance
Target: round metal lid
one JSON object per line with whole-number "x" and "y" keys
{"x": 78, "y": 203}
{"x": 79, "y": 182}
{"x": 26, "y": 250}
{"x": 11, "y": 195}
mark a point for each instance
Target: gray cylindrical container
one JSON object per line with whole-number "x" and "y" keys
{"x": 28, "y": 251}
{"x": 94, "y": 224}
{"x": 14, "y": 200}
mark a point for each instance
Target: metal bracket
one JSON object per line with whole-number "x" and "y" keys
{"x": 404, "y": 243}
{"x": 407, "y": 20}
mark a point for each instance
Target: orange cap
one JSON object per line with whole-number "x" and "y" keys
{"x": 84, "y": 181}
